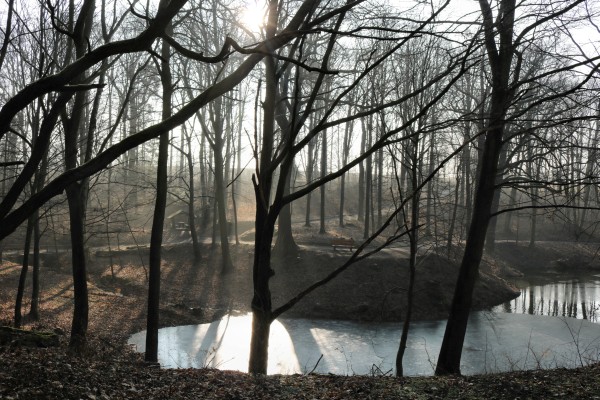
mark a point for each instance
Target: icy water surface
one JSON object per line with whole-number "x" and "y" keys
{"x": 494, "y": 342}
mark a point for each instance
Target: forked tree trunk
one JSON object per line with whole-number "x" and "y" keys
{"x": 265, "y": 217}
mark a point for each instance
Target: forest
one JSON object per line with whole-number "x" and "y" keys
{"x": 255, "y": 133}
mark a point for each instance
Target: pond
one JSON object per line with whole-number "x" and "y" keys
{"x": 576, "y": 296}
{"x": 556, "y": 333}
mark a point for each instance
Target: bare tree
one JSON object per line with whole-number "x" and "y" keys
{"x": 505, "y": 60}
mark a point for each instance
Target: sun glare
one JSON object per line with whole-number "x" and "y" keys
{"x": 252, "y": 16}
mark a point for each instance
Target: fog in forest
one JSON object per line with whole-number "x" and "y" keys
{"x": 177, "y": 162}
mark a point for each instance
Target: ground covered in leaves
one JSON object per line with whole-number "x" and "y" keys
{"x": 195, "y": 293}
{"x": 108, "y": 371}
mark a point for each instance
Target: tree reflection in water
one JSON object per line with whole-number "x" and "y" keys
{"x": 577, "y": 298}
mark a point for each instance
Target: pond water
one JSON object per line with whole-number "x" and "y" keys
{"x": 494, "y": 342}
{"x": 571, "y": 296}
{"x": 552, "y": 324}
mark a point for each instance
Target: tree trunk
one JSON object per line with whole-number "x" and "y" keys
{"x": 534, "y": 197}
{"x": 508, "y": 217}
{"x": 34, "y": 310}
{"x": 380, "y": 186}
{"x": 429, "y": 220}
{"x": 156, "y": 236}
{"x": 368, "y": 183}
{"x": 500, "y": 62}
{"x": 220, "y": 188}
{"x": 345, "y": 155}
{"x": 285, "y": 245}
{"x": 259, "y": 345}
{"x": 40, "y": 178}
{"x": 79, "y": 324}
{"x": 322, "y": 188}
{"x": 192, "y": 202}
{"x": 221, "y": 199}
{"x": 265, "y": 217}
{"x": 592, "y": 160}
{"x": 454, "y": 212}
{"x": 23, "y": 275}
{"x": 490, "y": 241}
{"x": 361, "y": 176}
{"x": 309, "y": 175}
{"x": 261, "y": 302}
{"x": 414, "y": 238}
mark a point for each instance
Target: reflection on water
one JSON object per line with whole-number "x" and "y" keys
{"x": 576, "y": 298}
{"x": 494, "y": 342}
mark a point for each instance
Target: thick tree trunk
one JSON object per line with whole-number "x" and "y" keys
{"x": 450, "y": 353}
{"x": 156, "y": 236}
{"x": 500, "y": 62}
{"x": 259, "y": 344}
{"x": 261, "y": 302}
{"x": 285, "y": 245}
{"x": 152, "y": 322}
{"x": 79, "y": 324}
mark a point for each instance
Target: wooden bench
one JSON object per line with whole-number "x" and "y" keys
{"x": 342, "y": 242}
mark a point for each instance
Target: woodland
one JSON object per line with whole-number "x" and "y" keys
{"x": 228, "y": 127}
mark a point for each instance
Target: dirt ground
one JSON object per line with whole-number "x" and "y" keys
{"x": 373, "y": 289}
